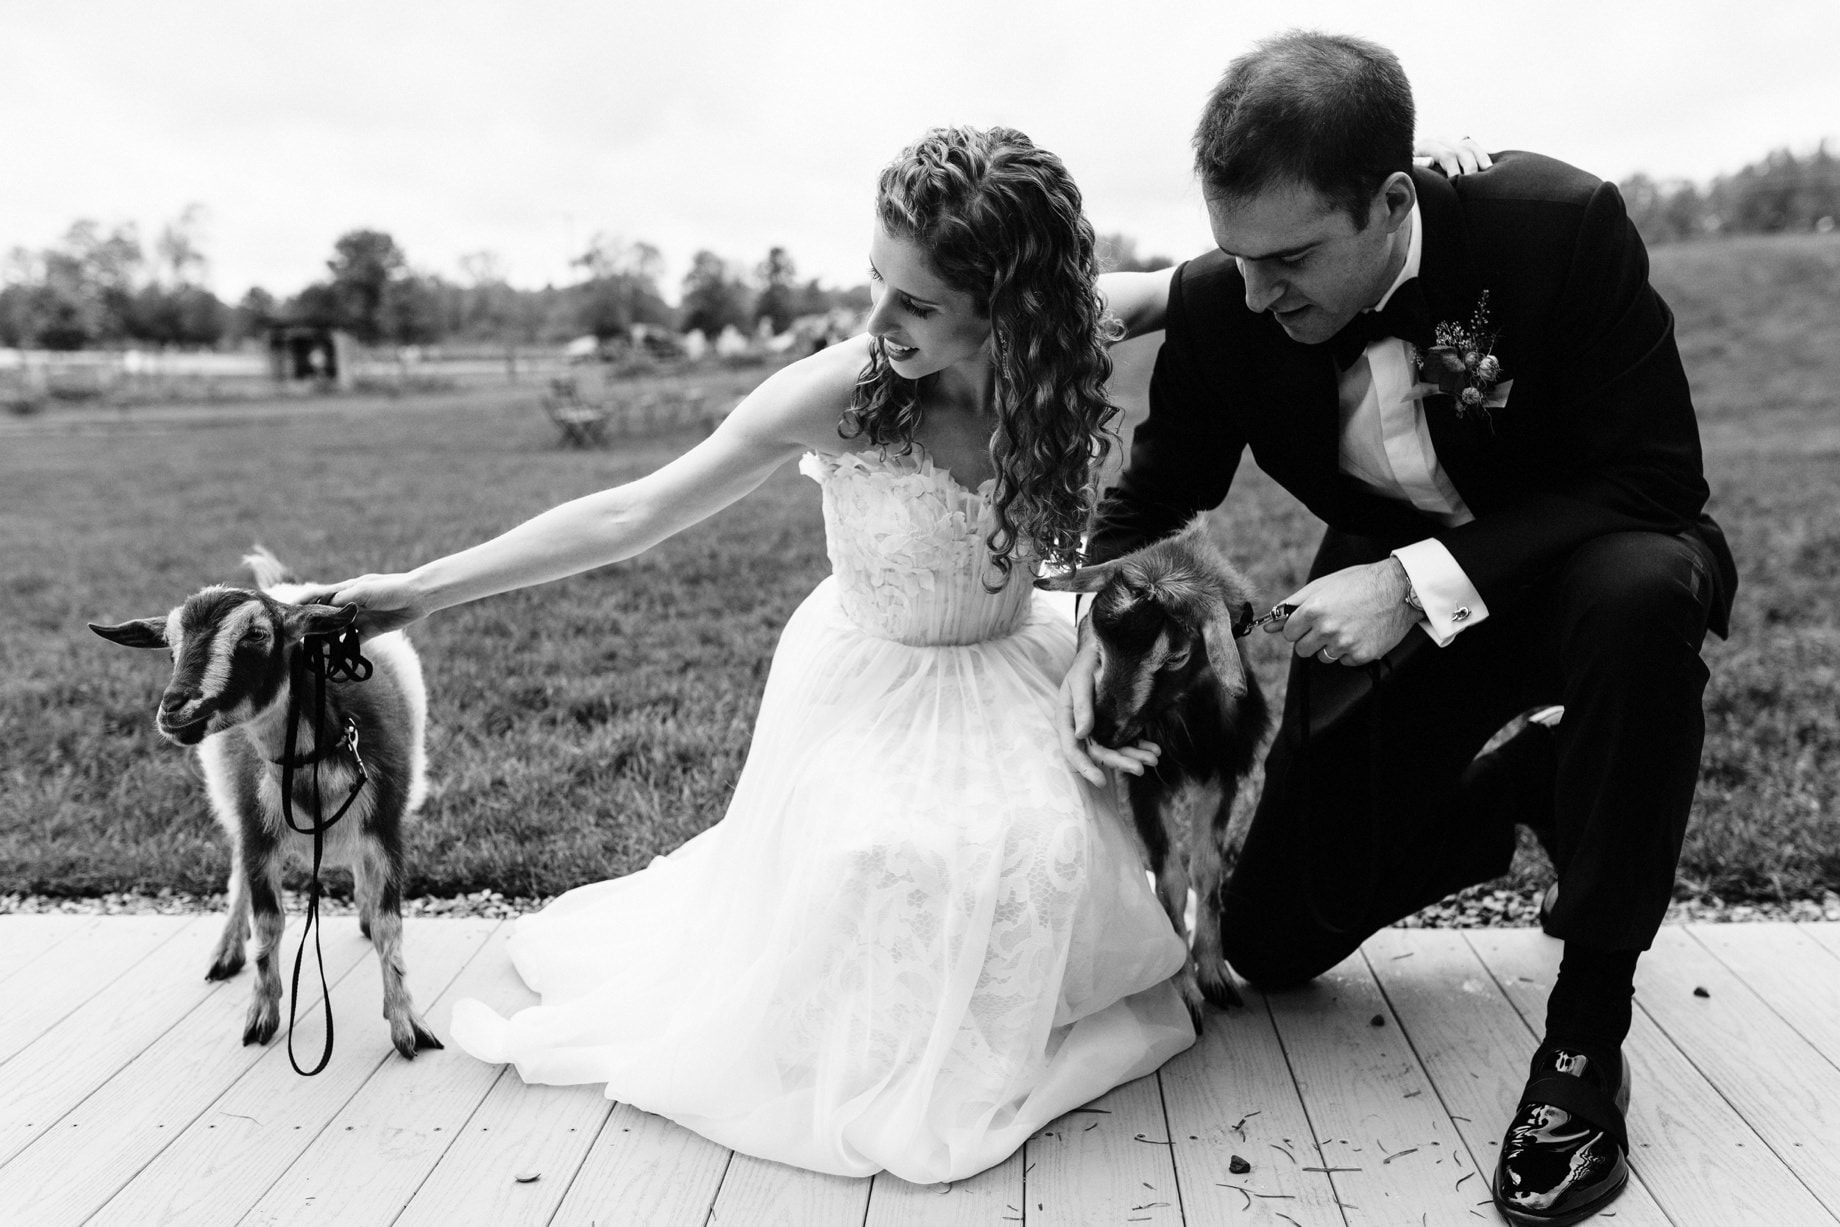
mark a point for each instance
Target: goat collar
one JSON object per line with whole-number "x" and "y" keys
{"x": 319, "y": 753}
{"x": 1243, "y": 621}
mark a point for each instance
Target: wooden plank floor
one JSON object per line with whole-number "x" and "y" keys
{"x": 1375, "y": 1096}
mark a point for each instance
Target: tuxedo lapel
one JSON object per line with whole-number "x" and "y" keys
{"x": 1443, "y": 258}
{"x": 1302, "y": 439}
{"x": 1450, "y": 290}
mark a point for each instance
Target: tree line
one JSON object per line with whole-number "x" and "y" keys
{"x": 105, "y": 288}
{"x": 1780, "y": 194}
{"x": 100, "y": 288}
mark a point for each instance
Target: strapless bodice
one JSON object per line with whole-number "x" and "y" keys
{"x": 907, "y": 546}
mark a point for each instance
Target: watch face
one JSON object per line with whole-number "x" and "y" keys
{"x": 1411, "y": 592}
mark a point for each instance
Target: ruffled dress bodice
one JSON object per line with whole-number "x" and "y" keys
{"x": 908, "y": 546}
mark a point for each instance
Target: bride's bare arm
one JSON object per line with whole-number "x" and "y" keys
{"x": 793, "y": 411}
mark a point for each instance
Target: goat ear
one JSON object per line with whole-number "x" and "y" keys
{"x": 1081, "y": 579}
{"x": 1223, "y": 651}
{"x": 140, "y": 633}
{"x": 323, "y": 619}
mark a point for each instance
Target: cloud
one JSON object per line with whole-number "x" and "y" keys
{"x": 526, "y": 128}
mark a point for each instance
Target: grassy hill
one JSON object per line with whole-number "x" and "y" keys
{"x": 580, "y": 729}
{"x": 1759, "y": 324}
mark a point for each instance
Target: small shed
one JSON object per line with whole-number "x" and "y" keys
{"x": 313, "y": 352}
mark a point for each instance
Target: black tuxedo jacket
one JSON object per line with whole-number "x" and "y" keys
{"x": 1598, "y": 434}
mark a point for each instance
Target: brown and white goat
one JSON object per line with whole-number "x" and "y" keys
{"x": 232, "y": 650}
{"x": 1170, "y": 671}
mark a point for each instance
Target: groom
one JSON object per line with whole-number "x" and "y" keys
{"x": 1473, "y": 385}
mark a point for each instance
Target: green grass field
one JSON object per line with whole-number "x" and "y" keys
{"x": 579, "y": 729}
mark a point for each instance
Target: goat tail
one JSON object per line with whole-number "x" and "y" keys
{"x": 268, "y": 569}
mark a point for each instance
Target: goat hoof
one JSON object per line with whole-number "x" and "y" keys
{"x": 364, "y": 927}
{"x": 226, "y": 966}
{"x": 413, "y": 1038}
{"x": 260, "y": 1030}
{"x": 1191, "y": 997}
{"x": 1220, "y": 989}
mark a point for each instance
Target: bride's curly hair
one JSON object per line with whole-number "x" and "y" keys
{"x": 1001, "y": 220}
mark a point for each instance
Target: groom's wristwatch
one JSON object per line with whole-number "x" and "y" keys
{"x": 1411, "y": 592}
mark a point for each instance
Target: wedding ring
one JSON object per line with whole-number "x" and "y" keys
{"x": 1328, "y": 657}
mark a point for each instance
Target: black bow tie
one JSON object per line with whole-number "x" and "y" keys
{"x": 1405, "y": 316}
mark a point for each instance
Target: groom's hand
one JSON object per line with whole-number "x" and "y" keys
{"x": 1351, "y": 617}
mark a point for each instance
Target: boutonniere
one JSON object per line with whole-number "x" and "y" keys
{"x": 1462, "y": 364}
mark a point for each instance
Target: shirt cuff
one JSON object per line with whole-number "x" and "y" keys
{"x": 1451, "y": 602}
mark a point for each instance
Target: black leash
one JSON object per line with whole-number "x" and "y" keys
{"x": 334, "y": 655}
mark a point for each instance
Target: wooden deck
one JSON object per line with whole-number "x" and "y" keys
{"x": 1377, "y": 1096}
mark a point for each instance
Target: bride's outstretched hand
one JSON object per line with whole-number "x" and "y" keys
{"x": 1463, "y": 156}
{"x": 385, "y": 602}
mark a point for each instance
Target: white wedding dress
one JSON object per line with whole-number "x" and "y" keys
{"x": 917, "y": 936}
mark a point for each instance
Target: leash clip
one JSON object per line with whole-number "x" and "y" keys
{"x": 1245, "y": 624}
{"x": 351, "y": 743}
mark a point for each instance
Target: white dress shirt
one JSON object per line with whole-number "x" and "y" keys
{"x": 1386, "y": 446}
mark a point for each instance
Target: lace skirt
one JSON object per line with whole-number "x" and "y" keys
{"x": 916, "y": 937}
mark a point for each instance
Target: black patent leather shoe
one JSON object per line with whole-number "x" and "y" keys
{"x": 1566, "y": 1154}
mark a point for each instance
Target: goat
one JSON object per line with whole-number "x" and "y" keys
{"x": 1170, "y": 671}
{"x": 232, "y": 651}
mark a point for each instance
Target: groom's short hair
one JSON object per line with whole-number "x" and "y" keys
{"x": 1328, "y": 111}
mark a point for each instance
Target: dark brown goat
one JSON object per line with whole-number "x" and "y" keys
{"x": 1170, "y": 672}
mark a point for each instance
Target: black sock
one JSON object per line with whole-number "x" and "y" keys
{"x": 1590, "y": 1003}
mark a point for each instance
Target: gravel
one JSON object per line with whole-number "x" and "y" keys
{"x": 1477, "y": 907}
{"x": 485, "y": 903}
{"x": 1485, "y": 908}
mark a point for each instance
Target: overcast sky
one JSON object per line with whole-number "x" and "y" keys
{"x": 525, "y": 128}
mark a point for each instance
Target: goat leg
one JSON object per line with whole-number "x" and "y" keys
{"x": 369, "y": 868}
{"x": 1172, "y": 889}
{"x": 262, "y": 881}
{"x": 1205, "y": 867}
{"x": 1154, "y": 813}
{"x": 382, "y": 874}
{"x": 227, "y": 959}
{"x": 1210, "y": 965}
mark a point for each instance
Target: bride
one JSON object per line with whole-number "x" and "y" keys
{"x": 917, "y": 936}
